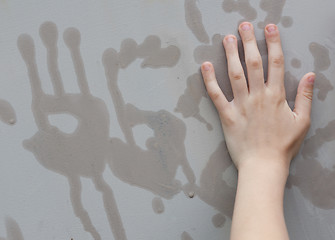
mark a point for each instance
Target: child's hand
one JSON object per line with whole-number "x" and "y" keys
{"x": 258, "y": 124}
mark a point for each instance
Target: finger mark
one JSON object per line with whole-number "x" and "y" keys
{"x": 7, "y": 113}
{"x": 49, "y": 36}
{"x": 26, "y": 47}
{"x": 72, "y": 40}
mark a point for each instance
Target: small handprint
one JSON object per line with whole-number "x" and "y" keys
{"x": 153, "y": 169}
{"x": 83, "y": 153}
{"x": 243, "y": 7}
{"x": 315, "y": 181}
{"x": 213, "y": 189}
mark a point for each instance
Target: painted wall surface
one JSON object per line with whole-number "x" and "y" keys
{"x": 107, "y": 132}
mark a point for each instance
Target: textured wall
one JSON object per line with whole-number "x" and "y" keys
{"x": 107, "y": 132}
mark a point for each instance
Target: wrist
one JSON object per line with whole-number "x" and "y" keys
{"x": 274, "y": 171}
{"x": 259, "y": 199}
{"x": 279, "y": 164}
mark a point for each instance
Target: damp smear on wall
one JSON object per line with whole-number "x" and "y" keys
{"x": 316, "y": 183}
{"x": 188, "y": 103}
{"x": 213, "y": 189}
{"x": 193, "y": 20}
{"x": 186, "y": 236}
{"x": 13, "y": 230}
{"x": 7, "y": 113}
{"x": 273, "y": 9}
{"x": 157, "y": 205}
{"x": 86, "y": 152}
{"x": 218, "y": 220}
{"x": 243, "y": 7}
{"x": 296, "y": 63}
{"x": 321, "y": 63}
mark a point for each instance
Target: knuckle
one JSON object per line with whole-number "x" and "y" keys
{"x": 277, "y": 94}
{"x": 214, "y": 95}
{"x": 236, "y": 75}
{"x": 255, "y": 62}
{"x": 277, "y": 60}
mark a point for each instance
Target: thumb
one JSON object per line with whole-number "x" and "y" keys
{"x": 303, "y": 101}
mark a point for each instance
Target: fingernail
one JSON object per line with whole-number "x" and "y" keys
{"x": 271, "y": 28}
{"x": 311, "y": 79}
{"x": 206, "y": 67}
{"x": 245, "y": 27}
{"x": 230, "y": 39}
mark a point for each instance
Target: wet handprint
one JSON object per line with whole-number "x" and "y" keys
{"x": 315, "y": 181}
{"x": 321, "y": 63}
{"x": 243, "y": 7}
{"x": 274, "y": 10}
{"x": 213, "y": 189}
{"x": 84, "y": 152}
{"x": 153, "y": 169}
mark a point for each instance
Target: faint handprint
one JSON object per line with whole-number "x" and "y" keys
{"x": 84, "y": 152}
{"x": 313, "y": 177}
{"x": 155, "y": 168}
{"x": 213, "y": 188}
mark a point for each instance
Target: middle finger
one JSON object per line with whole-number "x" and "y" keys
{"x": 253, "y": 58}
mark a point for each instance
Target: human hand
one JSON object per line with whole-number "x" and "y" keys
{"x": 258, "y": 124}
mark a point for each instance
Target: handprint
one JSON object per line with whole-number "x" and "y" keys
{"x": 83, "y": 153}
{"x": 213, "y": 189}
{"x": 316, "y": 181}
{"x": 321, "y": 63}
{"x": 153, "y": 169}
{"x": 273, "y": 8}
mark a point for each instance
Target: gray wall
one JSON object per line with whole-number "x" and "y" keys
{"x": 107, "y": 131}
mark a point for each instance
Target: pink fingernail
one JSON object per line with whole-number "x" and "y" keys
{"x": 246, "y": 27}
{"x": 230, "y": 39}
{"x": 271, "y": 28}
{"x": 311, "y": 79}
{"x": 206, "y": 67}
